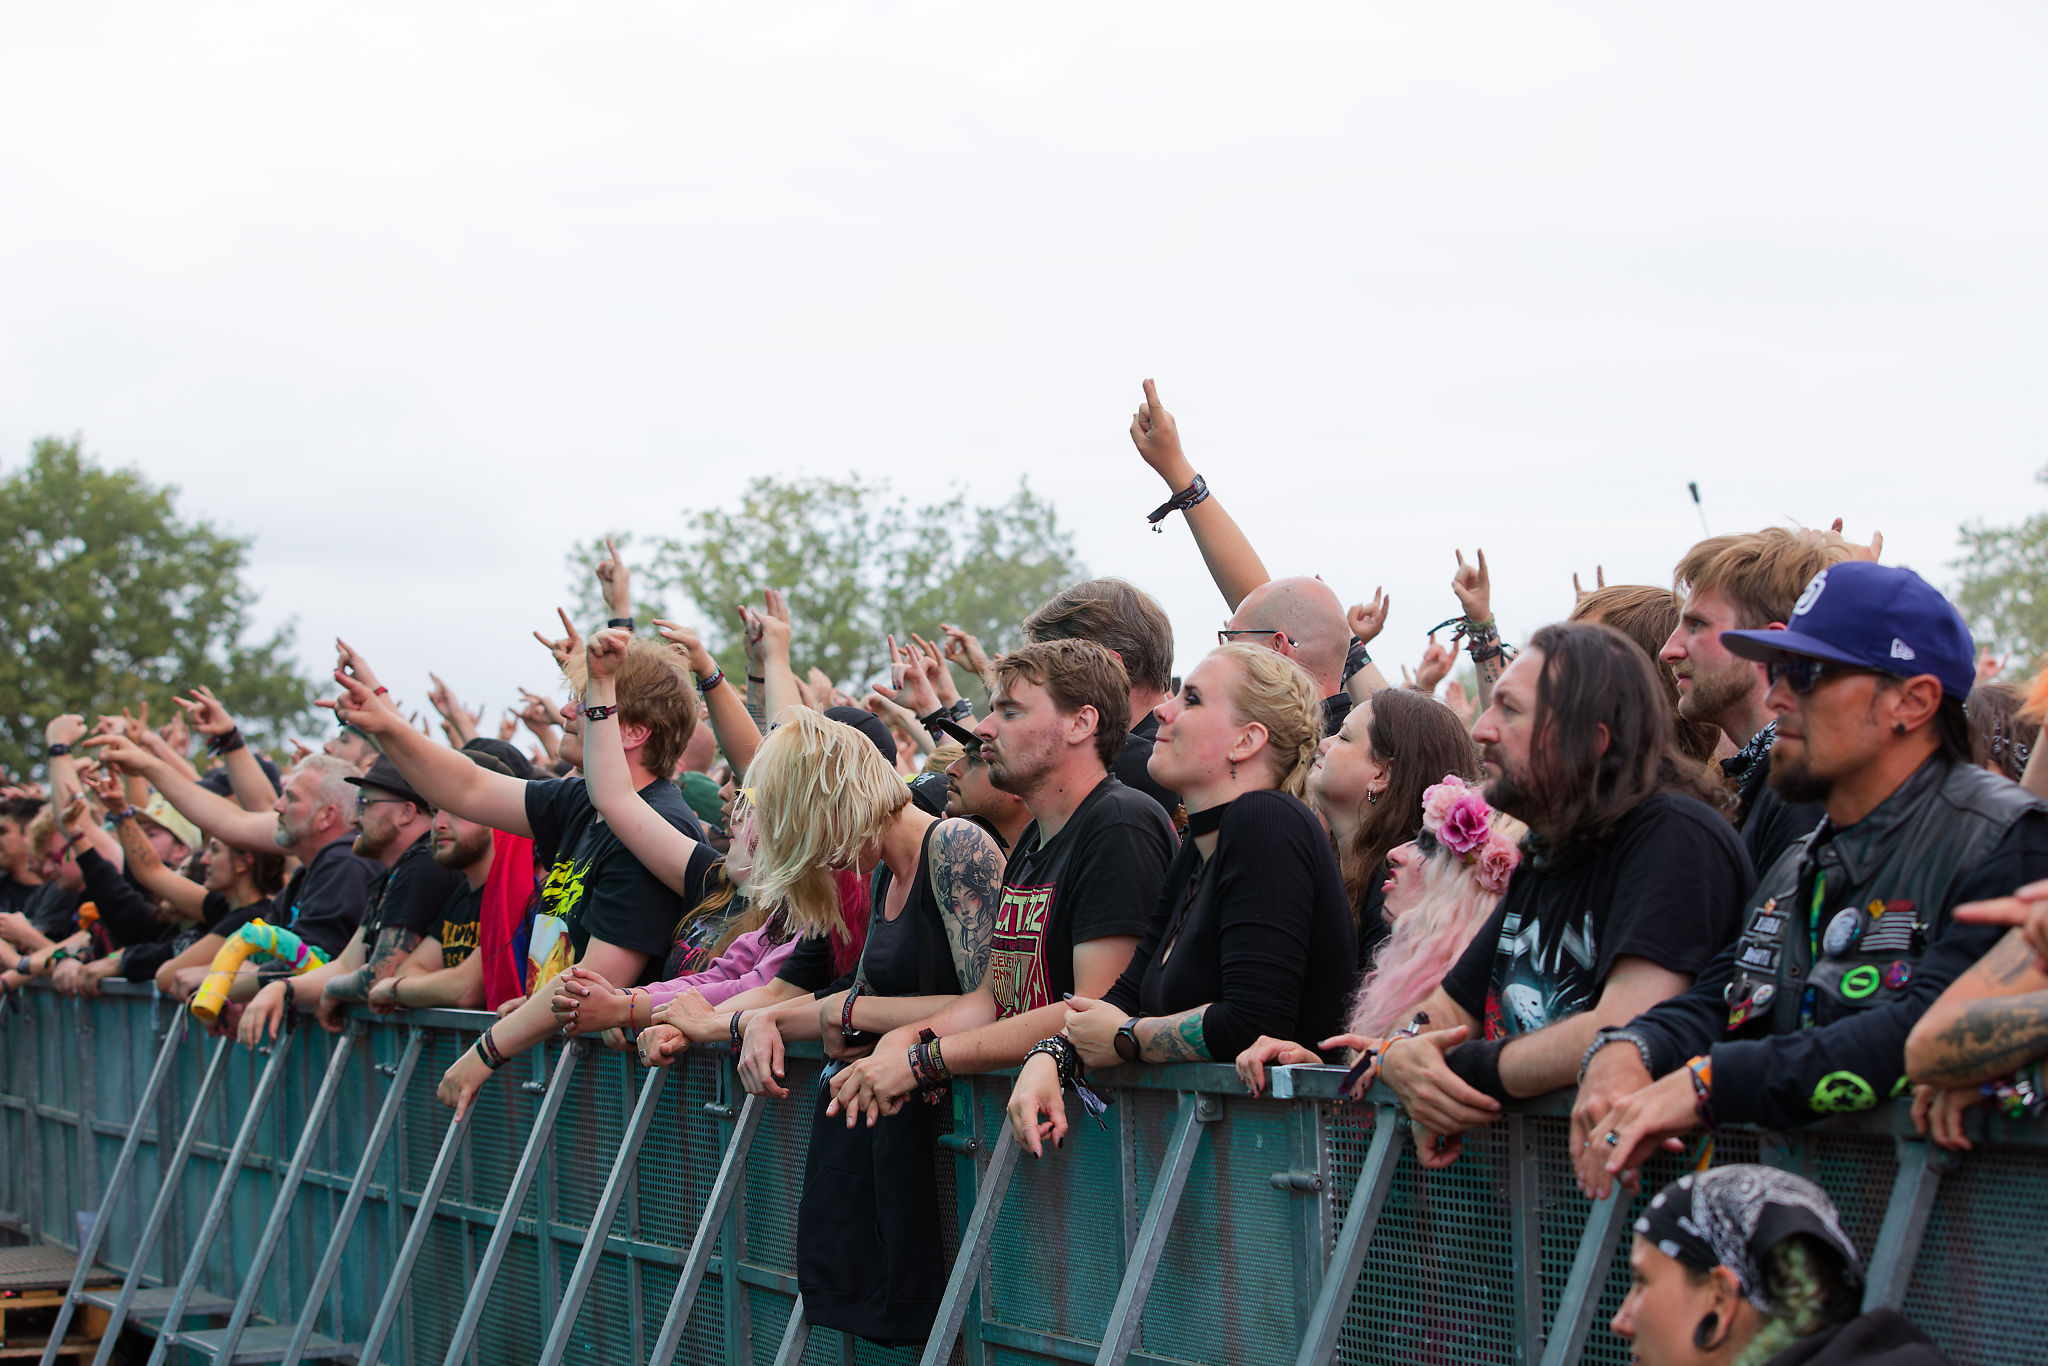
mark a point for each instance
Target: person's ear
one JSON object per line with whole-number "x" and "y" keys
{"x": 1081, "y": 726}
{"x": 1912, "y": 704}
{"x": 1254, "y": 738}
{"x": 1719, "y": 1320}
{"x": 633, "y": 737}
{"x": 1601, "y": 739}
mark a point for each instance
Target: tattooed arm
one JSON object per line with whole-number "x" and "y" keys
{"x": 967, "y": 878}
{"x": 394, "y": 945}
{"x": 1991, "y": 1019}
{"x": 1173, "y": 1038}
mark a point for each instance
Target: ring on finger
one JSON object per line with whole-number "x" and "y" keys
{"x": 1613, "y": 1138}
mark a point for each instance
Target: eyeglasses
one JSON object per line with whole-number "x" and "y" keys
{"x": 1803, "y": 675}
{"x": 362, "y": 802}
{"x": 1223, "y": 637}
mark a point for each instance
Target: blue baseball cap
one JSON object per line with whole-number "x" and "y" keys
{"x": 1872, "y": 616}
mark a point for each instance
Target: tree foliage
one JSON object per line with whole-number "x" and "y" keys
{"x": 109, "y": 599}
{"x": 2004, "y": 589}
{"x": 856, "y": 562}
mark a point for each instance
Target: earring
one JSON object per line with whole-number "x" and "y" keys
{"x": 1708, "y": 1327}
{"x": 1898, "y": 727}
{"x": 1233, "y": 770}
{"x": 1372, "y": 797}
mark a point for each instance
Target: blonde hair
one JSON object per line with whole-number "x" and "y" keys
{"x": 1277, "y": 693}
{"x": 822, "y": 793}
{"x": 943, "y": 758}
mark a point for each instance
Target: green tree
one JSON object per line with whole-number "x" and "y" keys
{"x": 2004, "y": 589}
{"x": 108, "y": 599}
{"x": 856, "y": 562}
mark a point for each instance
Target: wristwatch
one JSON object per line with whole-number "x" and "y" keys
{"x": 1127, "y": 1039}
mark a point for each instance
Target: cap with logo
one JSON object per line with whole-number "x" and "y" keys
{"x": 1871, "y": 616}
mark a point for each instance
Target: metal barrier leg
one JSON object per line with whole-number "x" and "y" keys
{"x": 373, "y": 1152}
{"x": 1368, "y": 1198}
{"x": 1590, "y": 1264}
{"x": 601, "y": 1220}
{"x": 1122, "y": 1331}
{"x": 508, "y": 1215}
{"x": 117, "y": 1316}
{"x": 221, "y": 1345}
{"x": 415, "y": 1237}
{"x": 217, "y": 1207}
{"x": 1905, "y": 1224}
{"x": 981, "y": 1227}
{"x": 117, "y": 1183}
{"x": 795, "y": 1336}
{"x": 731, "y": 1171}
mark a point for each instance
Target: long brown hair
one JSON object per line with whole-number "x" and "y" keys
{"x": 1647, "y": 615}
{"x": 1595, "y": 677}
{"x": 1418, "y": 740}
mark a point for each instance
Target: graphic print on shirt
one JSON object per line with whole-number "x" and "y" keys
{"x": 1535, "y": 988}
{"x": 458, "y": 941}
{"x": 551, "y": 951}
{"x": 1016, "y": 958}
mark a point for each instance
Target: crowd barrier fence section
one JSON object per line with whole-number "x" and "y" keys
{"x": 315, "y": 1201}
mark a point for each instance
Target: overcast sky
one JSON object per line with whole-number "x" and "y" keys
{"x": 418, "y": 295}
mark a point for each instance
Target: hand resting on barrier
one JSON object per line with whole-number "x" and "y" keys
{"x": 1267, "y": 1051}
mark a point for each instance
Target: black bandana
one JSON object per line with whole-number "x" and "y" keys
{"x": 1743, "y": 763}
{"x": 1734, "y": 1216}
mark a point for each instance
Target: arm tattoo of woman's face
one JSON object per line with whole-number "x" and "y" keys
{"x": 967, "y": 876}
{"x": 1177, "y": 1038}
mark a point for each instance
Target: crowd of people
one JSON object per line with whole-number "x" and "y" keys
{"x": 1762, "y": 845}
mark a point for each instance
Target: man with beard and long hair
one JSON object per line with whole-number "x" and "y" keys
{"x": 1629, "y": 885}
{"x": 1848, "y": 938}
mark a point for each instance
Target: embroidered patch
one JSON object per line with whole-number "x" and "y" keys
{"x": 1839, "y": 1092}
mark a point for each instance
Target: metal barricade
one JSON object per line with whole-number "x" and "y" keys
{"x": 588, "y": 1210}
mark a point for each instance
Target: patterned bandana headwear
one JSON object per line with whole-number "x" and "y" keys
{"x": 1734, "y": 1216}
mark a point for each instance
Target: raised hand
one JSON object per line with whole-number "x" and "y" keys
{"x": 1599, "y": 582}
{"x": 1368, "y": 619}
{"x": 607, "y": 651}
{"x": 912, "y": 688}
{"x": 1436, "y": 662}
{"x": 965, "y": 650}
{"x": 176, "y": 735}
{"x": 1157, "y": 437}
{"x": 1475, "y": 589}
{"x": 701, "y": 662}
{"x": 616, "y": 581}
{"x": 538, "y": 712}
{"x": 122, "y": 753}
{"x": 105, "y": 785}
{"x": 508, "y": 725}
{"x": 936, "y": 670}
{"x": 1457, "y": 701}
{"x": 205, "y": 712}
{"x": 750, "y": 636}
{"x": 67, "y": 729}
{"x": 775, "y": 626}
{"x": 570, "y": 644}
{"x": 1990, "y": 666}
{"x": 362, "y": 706}
{"x": 300, "y": 750}
{"x": 1857, "y": 549}
{"x": 354, "y": 664}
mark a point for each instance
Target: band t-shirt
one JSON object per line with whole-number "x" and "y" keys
{"x": 1667, "y": 885}
{"x": 1099, "y": 876}
{"x": 595, "y": 888}
{"x": 412, "y": 895}
{"x": 458, "y": 922}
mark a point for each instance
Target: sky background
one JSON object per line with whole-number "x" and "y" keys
{"x": 418, "y": 296}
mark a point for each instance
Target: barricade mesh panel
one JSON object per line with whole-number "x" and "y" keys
{"x": 435, "y": 1294}
{"x": 498, "y": 1132}
{"x": 425, "y": 1120}
{"x": 1058, "y": 1251}
{"x": 775, "y": 1169}
{"x": 588, "y": 1132}
{"x": 1976, "y": 1286}
{"x": 516, "y": 1317}
{"x": 679, "y": 1157}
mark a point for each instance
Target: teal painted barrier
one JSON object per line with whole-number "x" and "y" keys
{"x": 1200, "y": 1226}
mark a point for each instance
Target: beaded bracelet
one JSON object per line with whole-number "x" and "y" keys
{"x": 1066, "y": 1060}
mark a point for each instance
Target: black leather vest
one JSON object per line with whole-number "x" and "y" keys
{"x": 1893, "y": 877}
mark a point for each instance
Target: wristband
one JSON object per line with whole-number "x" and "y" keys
{"x": 227, "y": 742}
{"x": 126, "y": 813}
{"x": 736, "y": 1031}
{"x": 705, "y": 685}
{"x": 1356, "y": 657}
{"x": 846, "y": 1011}
{"x": 1609, "y": 1035}
{"x": 1702, "y": 1070}
{"x": 755, "y": 678}
{"x": 1477, "y": 1063}
{"x": 591, "y": 713}
{"x": 1191, "y": 496}
{"x": 487, "y": 1049}
{"x": 56, "y": 751}
{"x": 394, "y": 993}
{"x": 623, "y": 623}
{"x": 380, "y": 691}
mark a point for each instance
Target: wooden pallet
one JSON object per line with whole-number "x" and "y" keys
{"x": 27, "y": 1317}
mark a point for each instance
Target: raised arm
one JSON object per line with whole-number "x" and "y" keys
{"x": 1232, "y": 562}
{"x": 445, "y": 777}
{"x": 250, "y": 831}
{"x": 738, "y": 736}
{"x": 184, "y": 896}
{"x": 1482, "y": 636}
{"x": 661, "y": 848}
{"x": 779, "y": 691}
{"x": 246, "y": 777}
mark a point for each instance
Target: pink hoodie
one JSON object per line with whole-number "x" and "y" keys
{"x": 746, "y": 963}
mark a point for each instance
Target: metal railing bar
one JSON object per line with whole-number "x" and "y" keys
{"x": 280, "y": 1210}
{"x": 1591, "y": 1265}
{"x": 1905, "y": 1223}
{"x": 223, "y": 1192}
{"x": 515, "y": 1196}
{"x": 117, "y": 1183}
{"x": 167, "y": 1191}
{"x": 974, "y": 1245}
{"x": 415, "y": 1235}
{"x": 731, "y": 1171}
{"x": 337, "y": 1241}
{"x": 1195, "y": 1113}
{"x": 596, "y": 1236}
{"x": 1347, "y": 1259}
{"x": 795, "y": 1335}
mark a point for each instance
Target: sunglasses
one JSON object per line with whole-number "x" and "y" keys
{"x": 1804, "y": 675}
{"x": 1225, "y": 637}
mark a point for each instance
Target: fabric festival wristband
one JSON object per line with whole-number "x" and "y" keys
{"x": 622, "y": 623}
{"x": 1477, "y": 1064}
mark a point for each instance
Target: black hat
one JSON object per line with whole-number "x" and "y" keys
{"x": 385, "y": 777}
{"x": 489, "y": 761}
{"x": 868, "y": 724}
{"x": 516, "y": 765}
{"x": 950, "y": 727}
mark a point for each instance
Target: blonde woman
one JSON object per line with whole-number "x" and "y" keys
{"x": 1442, "y": 887}
{"x": 1253, "y": 932}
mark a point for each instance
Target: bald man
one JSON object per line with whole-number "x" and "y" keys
{"x": 1302, "y": 619}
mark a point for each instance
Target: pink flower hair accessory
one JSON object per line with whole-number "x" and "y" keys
{"x": 1458, "y": 818}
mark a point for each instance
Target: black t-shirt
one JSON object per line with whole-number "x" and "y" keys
{"x": 15, "y": 896}
{"x": 1133, "y": 766}
{"x": 693, "y": 936}
{"x": 1668, "y": 885}
{"x": 1100, "y": 876}
{"x": 1770, "y": 825}
{"x": 413, "y": 894}
{"x": 809, "y": 965}
{"x": 322, "y": 904}
{"x": 458, "y": 922}
{"x": 595, "y": 888}
{"x": 1260, "y": 932}
{"x": 219, "y": 918}
{"x": 53, "y": 911}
